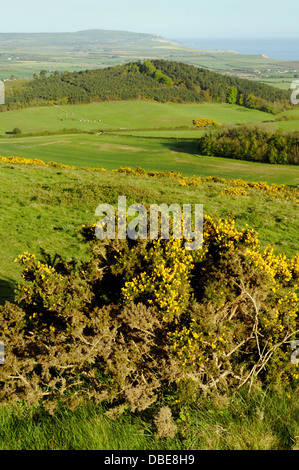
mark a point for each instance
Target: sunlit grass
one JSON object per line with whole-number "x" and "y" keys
{"x": 263, "y": 420}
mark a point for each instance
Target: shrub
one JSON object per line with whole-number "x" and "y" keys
{"x": 145, "y": 320}
{"x": 17, "y": 131}
{"x": 203, "y": 122}
{"x": 252, "y": 143}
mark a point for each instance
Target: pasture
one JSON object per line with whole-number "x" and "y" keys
{"x": 124, "y": 115}
{"x": 136, "y": 133}
{"x": 114, "y": 151}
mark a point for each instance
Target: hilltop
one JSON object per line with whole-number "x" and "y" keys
{"x": 157, "y": 80}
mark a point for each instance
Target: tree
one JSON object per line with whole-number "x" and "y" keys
{"x": 17, "y": 131}
{"x": 232, "y": 94}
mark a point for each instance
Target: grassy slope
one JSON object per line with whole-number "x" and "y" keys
{"x": 44, "y": 207}
{"x": 124, "y": 114}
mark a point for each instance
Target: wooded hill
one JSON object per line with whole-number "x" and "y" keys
{"x": 159, "y": 80}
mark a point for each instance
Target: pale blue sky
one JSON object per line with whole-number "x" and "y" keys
{"x": 168, "y": 18}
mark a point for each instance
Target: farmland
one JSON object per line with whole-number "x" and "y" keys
{"x": 135, "y": 133}
{"x": 122, "y": 115}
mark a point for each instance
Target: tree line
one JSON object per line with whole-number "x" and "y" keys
{"x": 252, "y": 143}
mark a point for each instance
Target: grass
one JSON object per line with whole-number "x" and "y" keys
{"x": 123, "y": 114}
{"x": 222, "y": 422}
{"x": 136, "y": 133}
{"x": 132, "y": 115}
{"x": 113, "y": 151}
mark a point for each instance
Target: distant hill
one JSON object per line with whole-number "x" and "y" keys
{"x": 79, "y": 40}
{"x": 24, "y": 54}
{"x": 159, "y": 80}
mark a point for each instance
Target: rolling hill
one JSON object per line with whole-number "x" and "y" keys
{"x": 158, "y": 80}
{"x": 80, "y": 40}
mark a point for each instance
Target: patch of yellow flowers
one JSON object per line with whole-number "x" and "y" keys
{"x": 164, "y": 284}
{"x": 204, "y": 122}
{"x": 233, "y": 192}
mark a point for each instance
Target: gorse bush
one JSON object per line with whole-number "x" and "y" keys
{"x": 17, "y": 131}
{"x": 203, "y": 122}
{"x": 145, "y": 321}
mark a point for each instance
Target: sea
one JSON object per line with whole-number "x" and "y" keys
{"x": 274, "y": 48}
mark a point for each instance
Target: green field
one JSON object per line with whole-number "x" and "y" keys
{"x": 125, "y": 115}
{"x": 135, "y": 133}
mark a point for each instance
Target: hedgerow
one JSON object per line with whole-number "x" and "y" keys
{"x": 244, "y": 142}
{"x": 145, "y": 321}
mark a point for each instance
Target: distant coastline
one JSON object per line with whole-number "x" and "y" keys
{"x": 274, "y": 48}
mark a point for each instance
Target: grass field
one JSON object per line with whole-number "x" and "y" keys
{"x": 124, "y": 114}
{"x": 22, "y": 57}
{"x": 45, "y": 207}
{"x": 135, "y": 133}
{"x": 139, "y": 117}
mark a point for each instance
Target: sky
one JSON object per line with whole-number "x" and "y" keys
{"x": 167, "y": 18}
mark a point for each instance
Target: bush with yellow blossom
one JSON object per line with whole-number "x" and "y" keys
{"x": 143, "y": 318}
